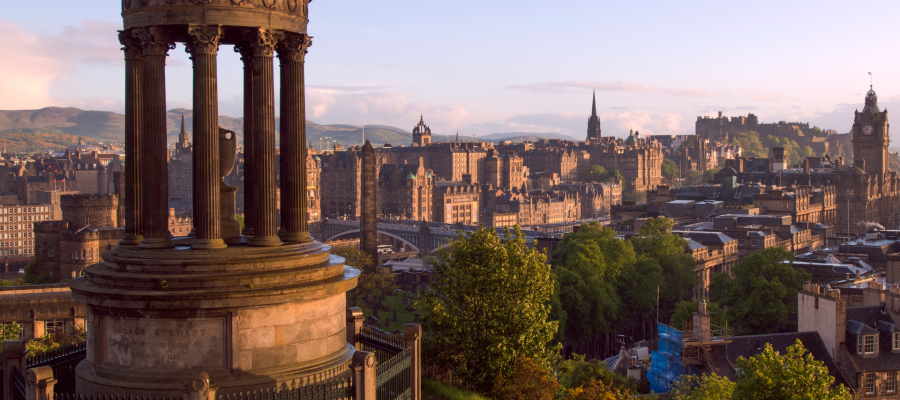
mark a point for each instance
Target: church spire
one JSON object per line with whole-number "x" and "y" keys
{"x": 594, "y": 105}
{"x": 593, "y": 131}
{"x": 182, "y": 136}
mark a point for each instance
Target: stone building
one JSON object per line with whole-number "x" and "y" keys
{"x": 88, "y": 229}
{"x": 405, "y": 191}
{"x": 506, "y": 171}
{"x": 313, "y": 191}
{"x": 529, "y": 209}
{"x": 595, "y": 198}
{"x": 180, "y": 169}
{"x": 865, "y": 195}
{"x": 341, "y": 178}
{"x": 17, "y": 229}
{"x": 421, "y": 134}
{"x": 40, "y": 309}
{"x": 456, "y": 202}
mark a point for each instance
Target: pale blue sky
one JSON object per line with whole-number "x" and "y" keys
{"x": 504, "y": 66}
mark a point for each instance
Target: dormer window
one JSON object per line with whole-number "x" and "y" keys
{"x": 896, "y": 341}
{"x": 867, "y": 344}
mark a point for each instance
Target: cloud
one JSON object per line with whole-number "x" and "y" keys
{"x": 329, "y": 106}
{"x": 614, "y": 123}
{"x": 561, "y": 87}
{"x": 33, "y": 65}
{"x": 760, "y": 95}
{"x": 347, "y": 89}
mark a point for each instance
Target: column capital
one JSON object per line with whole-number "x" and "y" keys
{"x": 154, "y": 40}
{"x": 130, "y": 45}
{"x": 293, "y": 47}
{"x": 262, "y": 41}
{"x": 204, "y": 39}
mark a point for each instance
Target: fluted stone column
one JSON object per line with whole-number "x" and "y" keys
{"x": 250, "y": 202}
{"x": 262, "y": 45}
{"x": 155, "y": 188}
{"x": 203, "y": 48}
{"x": 291, "y": 52}
{"x": 134, "y": 71}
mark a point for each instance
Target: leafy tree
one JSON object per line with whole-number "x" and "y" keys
{"x": 586, "y": 266}
{"x": 576, "y": 372}
{"x": 794, "y": 375}
{"x": 685, "y": 309}
{"x": 594, "y": 173}
{"x": 36, "y": 272}
{"x": 598, "y": 390}
{"x": 708, "y": 175}
{"x": 669, "y": 169}
{"x": 763, "y": 291}
{"x": 807, "y": 152}
{"x": 374, "y": 283}
{"x": 701, "y": 387}
{"x": 692, "y": 177}
{"x": 240, "y": 219}
{"x": 528, "y": 381}
{"x": 488, "y": 307}
{"x": 688, "y": 143}
{"x": 656, "y": 241}
{"x": 10, "y": 331}
{"x": 750, "y": 144}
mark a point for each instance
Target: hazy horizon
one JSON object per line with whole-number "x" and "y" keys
{"x": 504, "y": 66}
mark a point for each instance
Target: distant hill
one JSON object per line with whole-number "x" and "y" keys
{"x": 522, "y": 136}
{"x": 110, "y": 127}
{"x": 27, "y": 141}
{"x": 101, "y": 125}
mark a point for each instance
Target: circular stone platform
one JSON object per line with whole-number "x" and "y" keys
{"x": 251, "y": 317}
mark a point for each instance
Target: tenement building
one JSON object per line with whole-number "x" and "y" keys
{"x": 405, "y": 191}
{"x": 17, "y": 229}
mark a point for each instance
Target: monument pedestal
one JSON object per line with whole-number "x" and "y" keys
{"x": 250, "y": 317}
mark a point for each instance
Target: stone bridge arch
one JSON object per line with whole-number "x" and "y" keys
{"x": 380, "y": 232}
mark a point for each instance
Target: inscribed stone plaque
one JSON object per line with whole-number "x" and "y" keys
{"x": 164, "y": 343}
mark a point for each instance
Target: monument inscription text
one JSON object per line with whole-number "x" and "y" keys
{"x": 164, "y": 343}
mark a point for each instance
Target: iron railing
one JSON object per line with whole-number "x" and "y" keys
{"x": 63, "y": 362}
{"x": 384, "y": 345}
{"x": 17, "y": 380}
{"x": 72, "y": 396}
{"x": 392, "y": 378}
{"x": 340, "y": 388}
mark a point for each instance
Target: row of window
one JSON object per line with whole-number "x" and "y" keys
{"x": 84, "y": 254}
{"x": 22, "y": 210}
{"x": 890, "y": 383}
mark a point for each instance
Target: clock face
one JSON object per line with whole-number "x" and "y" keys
{"x": 867, "y": 129}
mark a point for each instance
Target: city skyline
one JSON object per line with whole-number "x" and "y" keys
{"x": 485, "y": 69}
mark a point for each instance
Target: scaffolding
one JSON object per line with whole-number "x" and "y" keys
{"x": 665, "y": 363}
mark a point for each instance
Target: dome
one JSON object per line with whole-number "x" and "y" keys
{"x": 631, "y": 139}
{"x": 84, "y": 148}
{"x": 410, "y": 176}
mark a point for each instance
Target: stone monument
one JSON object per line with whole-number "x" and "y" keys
{"x": 369, "y": 225}
{"x": 253, "y": 311}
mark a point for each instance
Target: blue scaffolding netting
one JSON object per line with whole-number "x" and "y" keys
{"x": 665, "y": 363}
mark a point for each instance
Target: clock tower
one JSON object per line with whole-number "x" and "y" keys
{"x": 870, "y": 136}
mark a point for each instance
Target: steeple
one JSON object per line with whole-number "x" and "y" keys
{"x": 593, "y": 131}
{"x": 182, "y": 136}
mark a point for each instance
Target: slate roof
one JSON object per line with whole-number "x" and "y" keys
{"x": 746, "y": 346}
{"x": 864, "y": 320}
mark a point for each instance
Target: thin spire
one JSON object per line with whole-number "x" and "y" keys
{"x": 594, "y": 105}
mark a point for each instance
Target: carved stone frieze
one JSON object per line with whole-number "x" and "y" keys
{"x": 204, "y": 39}
{"x": 269, "y": 3}
{"x": 292, "y": 5}
{"x": 126, "y": 4}
{"x": 154, "y": 40}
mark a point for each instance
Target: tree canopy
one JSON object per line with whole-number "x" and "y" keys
{"x": 685, "y": 309}
{"x": 374, "y": 283}
{"x": 750, "y": 144}
{"x": 794, "y": 375}
{"x": 701, "y": 387}
{"x": 596, "y": 173}
{"x": 669, "y": 169}
{"x": 488, "y": 307}
{"x": 600, "y": 278}
{"x": 763, "y": 291}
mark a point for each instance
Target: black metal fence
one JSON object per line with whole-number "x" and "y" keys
{"x": 384, "y": 345}
{"x": 72, "y": 396}
{"x": 340, "y": 388}
{"x": 63, "y": 362}
{"x": 17, "y": 380}
{"x": 392, "y": 378}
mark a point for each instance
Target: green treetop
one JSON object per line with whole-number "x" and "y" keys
{"x": 794, "y": 375}
{"x": 488, "y": 307}
{"x": 763, "y": 291}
